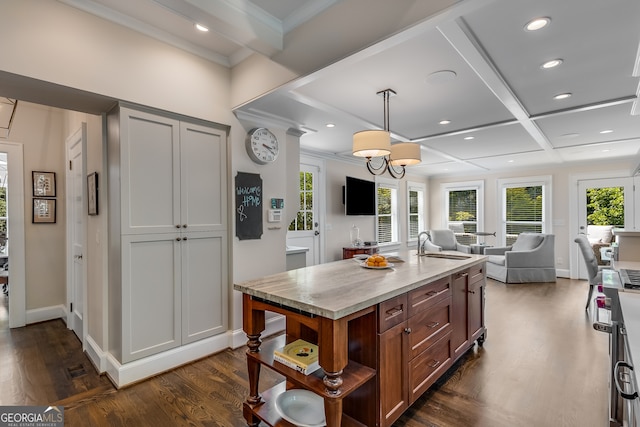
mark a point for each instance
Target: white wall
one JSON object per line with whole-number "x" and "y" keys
{"x": 340, "y": 224}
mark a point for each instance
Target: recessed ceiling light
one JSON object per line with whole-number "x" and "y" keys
{"x": 562, "y": 96}
{"x": 606, "y": 131}
{"x": 441, "y": 77}
{"x": 445, "y": 122}
{"x": 537, "y": 24}
{"x": 330, "y": 125}
{"x": 551, "y": 64}
{"x": 202, "y": 28}
{"x": 510, "y": 161}
{"x": 606, "y": 150}
{"x": 569, "y": 135}
{"x": 468, "y": 138}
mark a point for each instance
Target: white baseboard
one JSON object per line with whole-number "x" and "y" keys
{"x": 273, "y": 325}
{"x": 563, "y": 273}
{"x": 95, "y": 354}
{"x": 122, "y": 375}
{"x": 46, "y": 313}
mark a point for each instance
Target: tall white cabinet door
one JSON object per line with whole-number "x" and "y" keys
{"x": 150, "y": 162}
{"x": 204, "y": 285}
{"x": 151, "y": 295}
{"x": 203, "y": 178}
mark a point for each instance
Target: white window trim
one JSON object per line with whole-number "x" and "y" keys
{"x": 545, "y": 181}
{"x": 445, "y": 188}
{"x": 417, "y": 186}
{"x": 393, "y": 184}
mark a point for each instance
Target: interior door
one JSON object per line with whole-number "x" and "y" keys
{"x": 75, "y": 186}
{"x": 304, "y": 231}
{"x": 587, "y": 185}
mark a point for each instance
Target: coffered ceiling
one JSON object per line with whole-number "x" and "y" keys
{"x": 472, "y": 63}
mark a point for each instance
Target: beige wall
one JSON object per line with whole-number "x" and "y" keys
{"x": 40, "y": 131}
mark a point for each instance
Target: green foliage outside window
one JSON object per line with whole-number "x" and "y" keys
{"x": 605, "y": 206}
{"x": 304, "y": 218}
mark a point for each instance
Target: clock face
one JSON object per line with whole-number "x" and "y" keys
{"x": 262, "y": 146}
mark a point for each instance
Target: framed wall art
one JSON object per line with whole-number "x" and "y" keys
{"x": 92, "y": 193}
{"x": 44, "y": 211}
{"x": 44, "y": 184}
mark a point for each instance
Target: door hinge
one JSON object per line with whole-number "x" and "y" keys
{"x": 70, "y": 165}
{"x": 71, "y": 307}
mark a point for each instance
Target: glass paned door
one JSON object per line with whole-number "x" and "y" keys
{"x": 304, "y": 229}
{"x": 603, "y": 204}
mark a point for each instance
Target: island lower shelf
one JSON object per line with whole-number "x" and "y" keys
{"x": 269, "y": 415}
{"x": 353, "y": 376}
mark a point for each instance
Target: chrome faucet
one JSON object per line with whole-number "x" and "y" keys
{"x": 421, "y": 246}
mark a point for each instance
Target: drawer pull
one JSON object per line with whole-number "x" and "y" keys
{"x": 434, "y": 363}
{"x": 433, "y": 324}
{"x": 407, "y": 330}
{"x": 472, "y": 292}
{"x": 432, "y": 293}
{"x": 394, "y": 311}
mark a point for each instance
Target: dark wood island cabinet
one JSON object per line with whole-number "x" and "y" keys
{"x": 384, "y": 336}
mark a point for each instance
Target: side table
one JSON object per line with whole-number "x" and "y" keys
{"x": 478, "y": 249}
{"x": 350, "y": 251}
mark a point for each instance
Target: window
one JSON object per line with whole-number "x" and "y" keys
{"x": 526, "y": 207}
{"x": 415, "y": 209}
{"x": 304, "y": 218}
{"x": 463, "y": 203}
{"x": 387, "y": 208}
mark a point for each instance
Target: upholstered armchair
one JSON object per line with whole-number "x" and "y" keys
{"x": 444, "y": 240}
{"x": 599, "y": 236}
{"x": 531, "y": 258}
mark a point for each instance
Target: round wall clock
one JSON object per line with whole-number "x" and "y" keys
{"x": 262, "y": 146}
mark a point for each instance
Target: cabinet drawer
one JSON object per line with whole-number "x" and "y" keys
{"x": 427, "y": 327}
{"x": 392, "y": 312}
{"x": 476, "y": 273}
{"x": 425, "y": 369}
{"x": 428, "y": 295}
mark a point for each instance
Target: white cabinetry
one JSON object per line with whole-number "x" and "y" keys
{"x": 168, "y": 230}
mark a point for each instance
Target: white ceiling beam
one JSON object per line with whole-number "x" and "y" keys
{"x": 461, "y": 39}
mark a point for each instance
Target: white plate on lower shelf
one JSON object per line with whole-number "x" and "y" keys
{"x": 301, "y": 407}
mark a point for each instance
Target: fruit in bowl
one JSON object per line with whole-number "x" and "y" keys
{"x": 377, "y": 261}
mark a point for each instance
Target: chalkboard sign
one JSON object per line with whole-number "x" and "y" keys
{"x": 248, "y": 191}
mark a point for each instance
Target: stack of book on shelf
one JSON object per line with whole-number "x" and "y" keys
{"x": 299, "y": 355}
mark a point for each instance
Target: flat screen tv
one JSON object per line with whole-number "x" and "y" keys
{"x": 359, "y": 197}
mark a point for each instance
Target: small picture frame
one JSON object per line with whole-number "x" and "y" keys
{"x": 44, "y": 184}
{"x": 92, "y": 193}
{"x": 44, "y": 211}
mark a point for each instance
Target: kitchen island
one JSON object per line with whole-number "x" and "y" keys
{"x": 384, "y": 335}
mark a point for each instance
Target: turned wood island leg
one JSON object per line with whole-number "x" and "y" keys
{"x": 254, "y": 324}
{"x": 333, "y": 350}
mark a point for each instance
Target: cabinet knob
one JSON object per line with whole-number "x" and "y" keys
{"x": 184, "y": 225}
{"x": 178, "y": 239}
{"x": 472, "y": 292}
{"x": 184, "y": 238}
{"x": 177, "y": 225}
{"x": 407, "y": 330}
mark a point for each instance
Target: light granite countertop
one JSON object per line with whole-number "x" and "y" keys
{"x": 337, "y": 289}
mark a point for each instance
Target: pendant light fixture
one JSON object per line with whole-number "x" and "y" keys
{"x": 377, "y": 143}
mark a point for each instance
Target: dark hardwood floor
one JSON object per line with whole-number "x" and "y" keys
{"x": 542, "y": 365}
